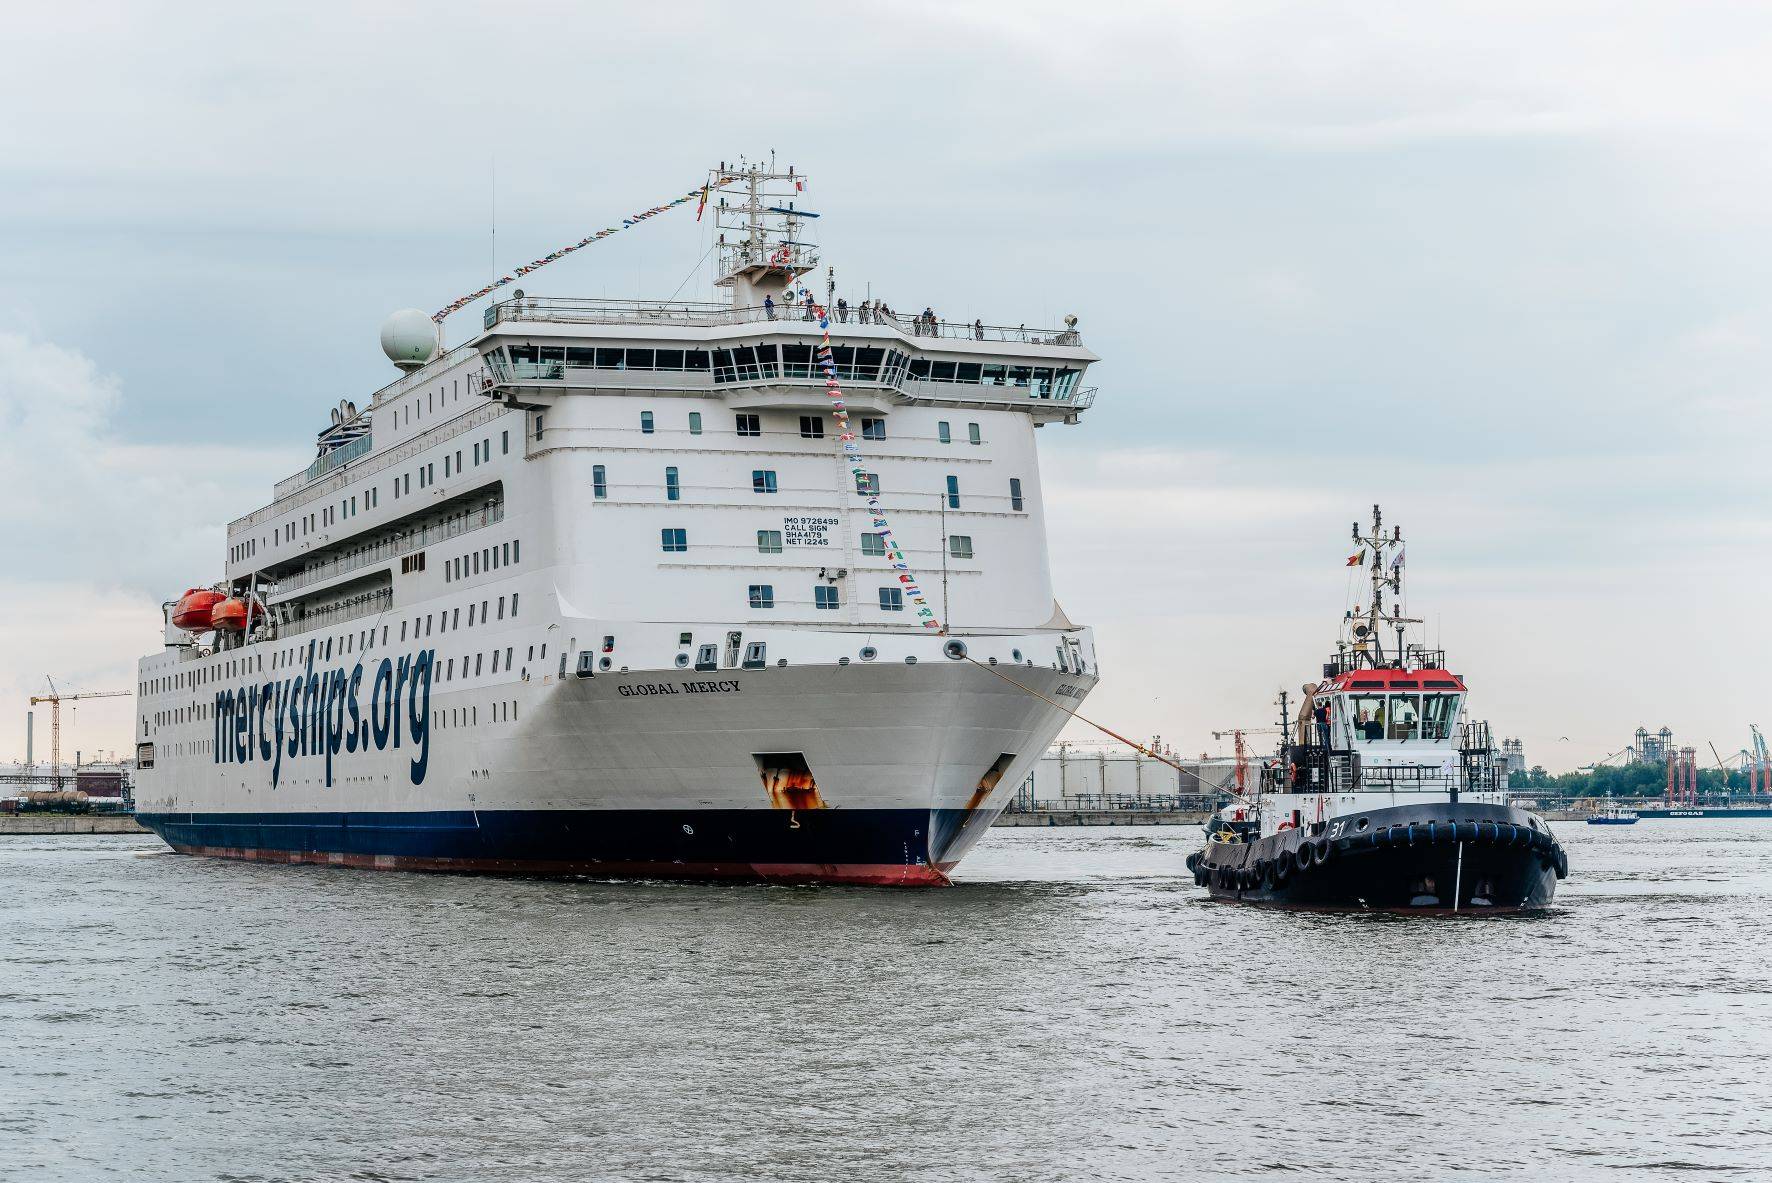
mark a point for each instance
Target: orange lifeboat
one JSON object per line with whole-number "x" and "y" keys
{"x": 194, "y": 610}
{"x": 230, "y": 614}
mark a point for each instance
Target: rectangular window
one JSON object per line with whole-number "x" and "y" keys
{"x": 516, "y": 550}
{"x": 514, "y": 596}
{"x": 749, "y": 425}
{"x": 504, "y": 442}
{"x": 674, "y": 539}
{"x": 769, "y": 542}
{"x": 873, "y": 544}
{"x": 953, "y": 492}
{"x": 873, "y": 429}
{"x": 891, "y": 599}
{"x": 762, "y": 480}
{"x": 960, "y": 546}
{"x": 599, "y": 482}
{"x": 762, "y": 595}
{"x": 1015, "y": 494}
{"x": 501, "y": 607}
{"x": 944, "y": 433}
{"x": 811, "y": 427}
{"x": 695, "y": 423}
{"x": 673, "y": 491}
{"x": 646, "y": 422}
{"x": 867, "y": 484}
{"x": 972, "y": 434}
{"x": 825, "y": 596}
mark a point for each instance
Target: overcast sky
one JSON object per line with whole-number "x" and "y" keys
{"x": 1502, "y": 267}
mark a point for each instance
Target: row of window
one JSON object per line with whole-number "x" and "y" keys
{"x": 766, "y": 480}
{"x": 756, "y": 363}
{"x": 487, "y": 558}
{"x": 824, "y": 597}
{"x": 675, "y": 540}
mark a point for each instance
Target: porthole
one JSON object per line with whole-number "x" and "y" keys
{"x": 781, "y": 663}
{"x": 868, "y": 653}
{"x": 682, "y": 661}
{"x": 910, "y": 661}
{"x": 1015, "y": 655}
{"x": 1362, "y": 825}
{"x": 604, "y": 663}
{"x": 955, "y": 649}
{"x": 842, "y": 661}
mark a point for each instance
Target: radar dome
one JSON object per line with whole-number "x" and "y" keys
{"x": 408, "y": 338}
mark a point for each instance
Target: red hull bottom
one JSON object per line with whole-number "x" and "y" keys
{"x": 860, "y": 874}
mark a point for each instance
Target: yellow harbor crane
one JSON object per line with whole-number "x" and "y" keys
{"x": 55, "y": 698}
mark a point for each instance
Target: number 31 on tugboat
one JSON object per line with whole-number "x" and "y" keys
{"x": 1383, "y": 795}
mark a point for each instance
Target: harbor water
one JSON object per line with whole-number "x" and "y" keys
{"x": 1073, "y": 1008}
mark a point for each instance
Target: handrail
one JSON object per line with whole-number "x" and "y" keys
{"x": 369, "y": 464}
{"x": 665, "y": 312}
{"x": 450, "y": 527}
{"x": 369, "y": 604}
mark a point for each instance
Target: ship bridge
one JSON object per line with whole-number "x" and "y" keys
{"x": 765, "y": 356}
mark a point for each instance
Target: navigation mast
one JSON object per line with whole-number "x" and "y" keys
{"x": 762, "y": 251}
{"x": 1387, "y": 573}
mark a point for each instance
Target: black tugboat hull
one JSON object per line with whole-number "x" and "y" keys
{"x": 1436, "y": 857}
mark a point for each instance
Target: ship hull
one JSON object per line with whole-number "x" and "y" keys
{"x": 903, "y": 847}
{"x": 883, "y": 774}
{"x": 1432, "y": 858}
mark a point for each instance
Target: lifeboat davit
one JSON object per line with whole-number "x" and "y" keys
{"x": 194, "y": 610}
{"x": 230, "y": 615}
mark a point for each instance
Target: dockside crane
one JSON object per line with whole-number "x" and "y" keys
{"x": 55, "y": 698}
{"x": 1242, "y": 750}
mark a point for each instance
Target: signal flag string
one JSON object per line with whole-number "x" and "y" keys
{"x": 699, "y": 194}
{"x": 895, "y": 552}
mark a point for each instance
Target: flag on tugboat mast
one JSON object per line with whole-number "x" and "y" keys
{"x": 1353, "y": 560}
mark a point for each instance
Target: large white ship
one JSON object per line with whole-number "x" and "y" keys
{"x": 610, "y": 588}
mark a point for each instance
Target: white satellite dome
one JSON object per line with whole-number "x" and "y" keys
{"x": 408, "y": 338}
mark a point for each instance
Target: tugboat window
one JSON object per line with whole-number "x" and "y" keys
{"x": 1405, "y": 716}
{"x": 1438, "y": 713}
{"x": 1369, "y": 716}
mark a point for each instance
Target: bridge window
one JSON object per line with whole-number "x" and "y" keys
{"x": 1368, "y": 716}
{"x": 1405, "y": 716}
{"x": 1439, "y": 713}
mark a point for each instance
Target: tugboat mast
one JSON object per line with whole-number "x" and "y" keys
{"x": 1387, "y": 572}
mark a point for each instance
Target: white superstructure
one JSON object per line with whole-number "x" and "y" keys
{"x": 596, "y": 589}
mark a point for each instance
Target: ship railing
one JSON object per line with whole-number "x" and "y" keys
{"x": 367, "y": 466}
{"x": 390, "y": 548}
{"x": 1130, "y": 802}
{"x": 561, "y": 310}
{"x": 328, "y": 462}
{"x": 355, "y": 608}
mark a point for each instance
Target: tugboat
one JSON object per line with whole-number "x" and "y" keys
{"x": 1382, "y": 795}
{"x": 1614, "y": 815}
